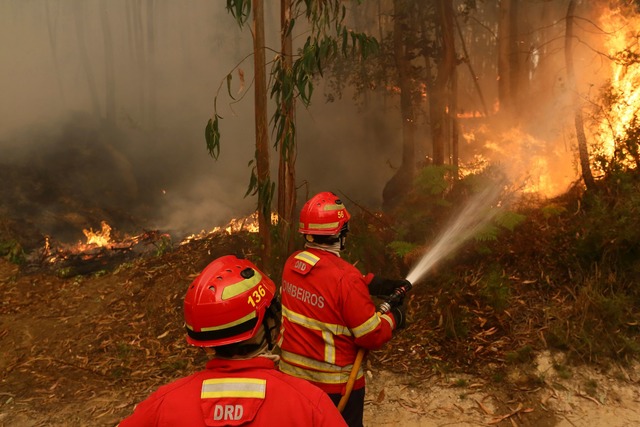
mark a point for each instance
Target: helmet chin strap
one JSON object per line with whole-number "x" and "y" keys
{"x": 343, "y": 239}
{"x": 271, "y": 322}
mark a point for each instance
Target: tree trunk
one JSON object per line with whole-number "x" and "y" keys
{"x": 262, "y": 136}
{"x": 474, "y": 76}
{"x": 136, "y": 43}
{"x": 402, "y": 180}
{"x": 52, "y": 28}
{"x": 287, "y": 146}
{"x": 110, "y": 75}
{"x": 509, "y": 70}
{"x": 84, "y": 59}
{"x": 455, "y": 134}
{"x": 439, "y": 100}
{"x": 151, "y": 80}
{"x": 583, "y": 149}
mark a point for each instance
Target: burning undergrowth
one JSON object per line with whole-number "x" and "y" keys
{"x": 102, "y": 252}
{"x": 63, "y": 179}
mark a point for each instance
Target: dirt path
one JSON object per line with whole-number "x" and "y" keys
{"x": 394, "y": 400}
{"x": 84, "y": 351}
{"x": 572, "y": 397}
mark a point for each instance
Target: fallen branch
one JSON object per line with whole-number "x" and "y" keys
{"x": 518, "y": 410}
{"x": 484, "y": 408}
{"x": 586, "y": 396}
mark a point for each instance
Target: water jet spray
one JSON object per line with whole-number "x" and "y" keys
{"x": 476, "y": 214}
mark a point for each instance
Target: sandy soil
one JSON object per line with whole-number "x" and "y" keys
{"x": 84, "y": 351}
{"x": 569, "y": 397}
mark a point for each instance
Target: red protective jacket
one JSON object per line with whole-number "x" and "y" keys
{"x": 236, "y": 393}
{"x": 327, "y": 315}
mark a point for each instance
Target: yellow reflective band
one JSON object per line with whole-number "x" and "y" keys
{"x": 234, "y": 387}
{"x": 314, "y": 324}
{"x": 388, "y": 319}
{"x": 367, "y": 326}
{"x": 329, "y": 347}
{"x": 316, "y": 365}
{"x": 318, "y": 376}
{"x": 334, "y": 207}
{"x": 238, "y": 288}
{"x": 328, "y": 330}
{"x": 227, "y": 325}
{"x": 323, "y": 226}
{"x": 308, "y": 257}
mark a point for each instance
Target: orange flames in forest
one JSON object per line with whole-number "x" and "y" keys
{"x": 236, "y": 225}
{"x": 548, "y": 167}
{"x": 100, "y": 244}
{"x": 100, "y": 238}
{"x": 532, "y": 165}
{"x": 622, "y": 46}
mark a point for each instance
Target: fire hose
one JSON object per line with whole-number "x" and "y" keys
{"x": 393, "y": 300}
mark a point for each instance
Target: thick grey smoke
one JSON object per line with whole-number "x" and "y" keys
{"x": 104, "y": 104}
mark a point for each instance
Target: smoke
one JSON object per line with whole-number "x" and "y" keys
{"x": 104, "y": 105}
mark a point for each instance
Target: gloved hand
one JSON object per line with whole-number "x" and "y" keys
{"x": 400, "y": 316}
{"x": 382, "y": 286}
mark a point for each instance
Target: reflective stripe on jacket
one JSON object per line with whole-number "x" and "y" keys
{"x": 327, "y": 315}
{"x": 237, "y": 393}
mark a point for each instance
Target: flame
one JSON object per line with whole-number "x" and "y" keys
{"x": 236, "y": 225}
{"x": 100, "y": 244}
{"x": 622, "y": 46}
{"x": 100, "y": 238}
{"x": 532, "y": 165}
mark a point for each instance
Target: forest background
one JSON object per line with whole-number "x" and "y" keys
{"x": 408, "y": 110}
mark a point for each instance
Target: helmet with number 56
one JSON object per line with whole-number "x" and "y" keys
{"x": 323, "y": 215}
{"x": 227, "y": 302}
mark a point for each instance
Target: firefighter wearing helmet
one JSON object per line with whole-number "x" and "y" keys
{"x": 327, "y": 310}
{"x": 230, "y": 308}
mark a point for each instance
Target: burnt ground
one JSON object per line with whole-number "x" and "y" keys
{"x": 83, "y": 350}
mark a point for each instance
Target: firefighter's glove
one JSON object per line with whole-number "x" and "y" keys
{"x": 399, "y": 315}
{"x": 382, "y": 286}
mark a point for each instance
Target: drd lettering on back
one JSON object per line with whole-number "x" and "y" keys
{"x": 228, "y": 412}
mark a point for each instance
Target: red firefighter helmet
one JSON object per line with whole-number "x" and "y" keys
{"x": 227, "y": 302}
{"x": 323, "y": 215}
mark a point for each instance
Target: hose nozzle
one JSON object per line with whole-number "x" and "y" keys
{"x": 396, "y": 297}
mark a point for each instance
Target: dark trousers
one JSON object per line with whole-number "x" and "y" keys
{"x": 354, "y": 410}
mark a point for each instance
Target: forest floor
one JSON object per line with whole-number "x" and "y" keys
{"x": 83, "y": 350}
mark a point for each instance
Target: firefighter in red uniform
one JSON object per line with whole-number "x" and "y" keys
{"x": 327, "y": 310}
{"x": 229, "y": 307}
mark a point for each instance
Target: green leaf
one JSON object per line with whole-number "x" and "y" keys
{"x": 292, "y": 22}
{"x": 487, "y": 233}
{"x": 240, "y": 10}
{"x": 229, "y": 78}
{"x": 212, "y": 136}
{"x": 253, "y": 183}
{"x": 401, "y": 248}
{"x": 509, "y": 220}
{"x": 345, "y": 42}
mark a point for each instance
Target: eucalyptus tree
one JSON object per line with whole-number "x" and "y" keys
{"x": 583, "y": 150}
{"x": 292, "y": 79}
{"x": 417, "y": 61}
